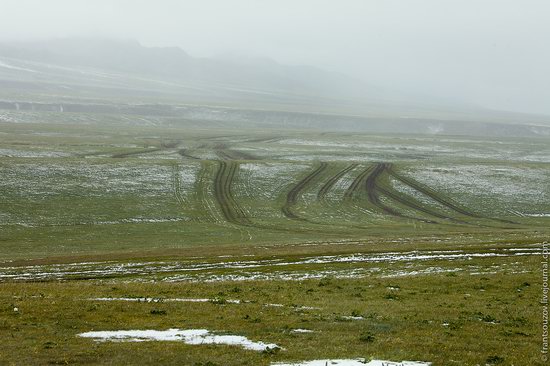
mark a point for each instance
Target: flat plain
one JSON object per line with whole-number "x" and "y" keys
{"x": 330, "y": 245}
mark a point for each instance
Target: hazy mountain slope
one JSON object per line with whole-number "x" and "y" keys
{"x": 174, "y": 65}
{"x": 107, "y": 71}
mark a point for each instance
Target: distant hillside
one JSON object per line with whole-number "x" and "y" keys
{"x": 247, "y": 76}
{"x": 94, "y": 70}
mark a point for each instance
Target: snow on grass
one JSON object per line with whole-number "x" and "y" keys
{"x": 273, "y": 170}
{"x": 267, "y": 180}
{"x": 46, "y": 179}
{"x": 5, "y": 116}
{"x": 174, "y": 271}
{"x": 188, "y": 176}
{"x": 350, "y": 317}
{"x": 352, "y": 362}
{"x": 500, "y": 188}
{"x": 16, "y": 153}
{"x": 419, "y": 196}
{"x": 154, "y": 299}
{"x": 189, "y": 336}
{"x": 496, "y": 180}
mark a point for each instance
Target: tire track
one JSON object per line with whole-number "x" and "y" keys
{"x": 321, "y": 195}
{"x": 184, "y": 153}
{"x": 371, "y": 184}
{"x": 235, "y": 155}
{"x": 176, "y": 184}
{"x": 447, "y": 202}
{"x": 204, "y": 196}
{"x": 223, "y": 155}
{"x": 265, "y": 139}
{"x": 357, "y": 183}
{"x": 431, "y": 193}
{"x": 137, "y": 152}
{"x": 415, "y": 205}
{"x": 170, "y": 144}
{"x": 223, "y": 180}
{"x": 292, "y": 195}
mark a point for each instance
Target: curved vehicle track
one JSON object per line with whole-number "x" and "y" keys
{"x": 233, "y": 213}
{"x": 185, "y": 153}
{"x": 415, "y": 205}
{"x": 265, "y": 139}
{"x": 430, "y": 193}
{"x": 293, "y": 194}
{"x": 136, "y": 152}
{"x": 235, "y": 155}
{"x": 333, "y": 180}
{"x": 176, "y": 184}
{"x": 371, "y": 184}
{"x": 231, "y": 210}
{"x": 447, "y": 202}
{"x": 357, "y": 183}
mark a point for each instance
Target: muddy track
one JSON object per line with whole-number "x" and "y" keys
{"x": 234, "y": 213}
{"x": 223, "y": 155}
{"x": 206, "y": 201}
{"x": 130, "y": 153}
{"x": 368, "y": 180}
{"x": 417, "y": 206}
{"x": 223, "y": 180}
{"x": 235, "y": 155}
{"x": 432, "y": 194}
{"x": 170, "y": 144}
{"x": 214, "y": 138}
{"x": 371, "y": 184}
{"x": 244, "y": 155}
{"x": 447, "y": 202}
{"x": 293, "y": 194}
{"x": 357, "y": 183}
{"x": 176, "y": 184}
{"x": 185, "y": 154}
{"x": 95, "y": 153}
{"x": 265, "y": 139}
{"x": 333, "y": 180}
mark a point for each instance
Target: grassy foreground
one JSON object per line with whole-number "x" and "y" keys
{"x": 452, "y": 319}
{"x": 387, "y": 247}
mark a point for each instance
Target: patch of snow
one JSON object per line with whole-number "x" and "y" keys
{"x": 352, "y": 317}
{"x": 301, "y": 331}
{"x": 353, "y": 362}
{"x": 307, "y": 308}
{"x": 154, "y": 299}
{"x": 189, "y": 336}
{"x": 15, "y": 153}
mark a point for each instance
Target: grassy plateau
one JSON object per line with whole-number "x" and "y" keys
{"x": 329, "y": 245}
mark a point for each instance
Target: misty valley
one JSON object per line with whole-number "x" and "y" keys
{"x": 158, "y": 208}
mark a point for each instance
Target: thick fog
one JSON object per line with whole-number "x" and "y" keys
{"x": 492, "y": 53}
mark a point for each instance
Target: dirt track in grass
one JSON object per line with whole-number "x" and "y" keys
{"x": 294, "y": 193}
{"x": 333, "y": 180}
{"x": 223, "y": 180}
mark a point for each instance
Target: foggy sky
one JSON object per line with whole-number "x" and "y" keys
{"x": 493, "y": 53}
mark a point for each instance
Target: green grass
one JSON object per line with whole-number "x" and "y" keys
{"x": 208, "y": 208}
{"x": 432, "y": 317}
